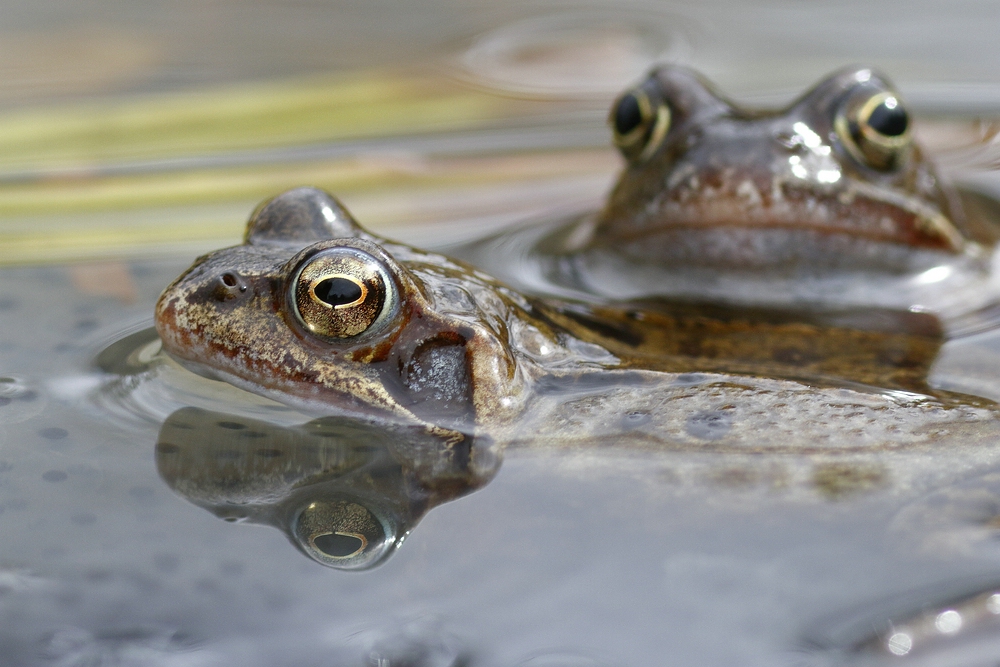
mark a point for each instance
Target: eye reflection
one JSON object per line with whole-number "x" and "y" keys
{"x": 342, "y": 533}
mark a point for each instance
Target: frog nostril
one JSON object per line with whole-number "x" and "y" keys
{"x": 229, "y": 286}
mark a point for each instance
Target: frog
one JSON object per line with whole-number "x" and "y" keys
{"x": 829, "y": 200}
{"x": 317, "y": 312}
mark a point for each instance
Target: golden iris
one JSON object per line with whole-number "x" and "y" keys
{"x": 340, "y": 293}
{"x": 875, "y": 129}
{"x": 639, "y": 122}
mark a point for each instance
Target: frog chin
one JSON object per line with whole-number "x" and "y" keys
{"x": 215, "y": 374}
{"x": 198, "y": 368}
{"x": 311, "y": 399}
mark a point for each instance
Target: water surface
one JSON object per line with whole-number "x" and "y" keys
{"x": 596, "y": 553}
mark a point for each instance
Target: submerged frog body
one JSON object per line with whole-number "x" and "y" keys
{"x": 826, "y": 201}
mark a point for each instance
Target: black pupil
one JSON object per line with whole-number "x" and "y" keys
{"x": 889, "y": 122}
{"x": 337, "y": 291}
{"x": 337, "y": 545}
{"x": 628, "y": 115}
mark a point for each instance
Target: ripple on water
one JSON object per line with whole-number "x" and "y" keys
{"x": 19, "y": 400}
{"x": 560, "y": 659}
{"x": 579, "y": 53}
{"x": 147, "y": 646}
{"x": 954, "y": 624}
{"x": 143, "y": 385}
{"x": 961, "y": 519}
{"x": 420, "y": 643}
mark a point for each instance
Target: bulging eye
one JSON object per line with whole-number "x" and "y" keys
{"x": 640, "y": 119}
{"x": 342, "y": 534}
{"x": 875, "y": 129}
{"x": 342, "y": 292}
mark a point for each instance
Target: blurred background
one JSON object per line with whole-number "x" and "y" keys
{"x": 130, "y": 128}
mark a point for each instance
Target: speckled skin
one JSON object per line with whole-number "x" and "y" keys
{"x": 733, "y": 187}
{"x": 244, "y": 332}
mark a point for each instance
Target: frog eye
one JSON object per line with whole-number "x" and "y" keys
{"x": 640, "y": 120}
{"x": 342, "y": 534}
{"x": 875, "y": 129}
{"x": 342, "y": 292}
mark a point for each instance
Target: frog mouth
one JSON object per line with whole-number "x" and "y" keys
{"x": 356, "y": 396}
{"x": 735, "y": 200}
{"x": 774, "y": 250}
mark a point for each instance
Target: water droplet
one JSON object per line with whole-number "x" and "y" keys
{"x": 899, "y": 643}
{"x": 948, "y": 622}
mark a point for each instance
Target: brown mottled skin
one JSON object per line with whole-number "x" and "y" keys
{"x": 246, "y": 333}
{"x": 458, "y": 352}
{"x": 784, "y": 173}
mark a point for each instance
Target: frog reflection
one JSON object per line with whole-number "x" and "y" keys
{"x": 345, "y": 493}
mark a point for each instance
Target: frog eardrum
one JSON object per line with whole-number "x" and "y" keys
{"x": 874, "y": 127}
{"x": 639, "y": 120}
{"x": 341, "y": 292}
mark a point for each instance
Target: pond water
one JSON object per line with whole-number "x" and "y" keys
{"x": 148, "y": 515}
